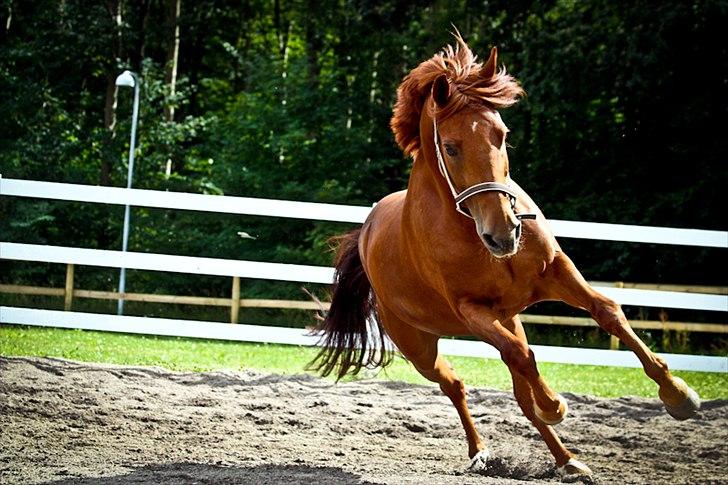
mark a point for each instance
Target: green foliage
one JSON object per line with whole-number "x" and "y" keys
{"x": 616, "y": 104}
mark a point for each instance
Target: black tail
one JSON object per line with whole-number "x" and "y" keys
{"x": 348, "y": 343}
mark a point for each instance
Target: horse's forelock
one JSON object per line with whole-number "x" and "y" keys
{"x": 467, "y": 89}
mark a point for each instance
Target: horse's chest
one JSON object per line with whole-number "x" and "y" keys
{"x": 506, "y": 287}
{"x": 430, "y": 302}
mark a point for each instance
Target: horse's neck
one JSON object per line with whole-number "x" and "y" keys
{"x": 429, "y": 201}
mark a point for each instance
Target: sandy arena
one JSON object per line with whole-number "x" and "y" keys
{"x": 66, "y": 422}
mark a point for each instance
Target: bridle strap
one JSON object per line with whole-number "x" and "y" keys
{"x": 484, "y": 187}
{"x": 441, "y": 162}
{"x": 461, "y": 197}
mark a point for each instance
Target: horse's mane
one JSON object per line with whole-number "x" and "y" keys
{"x": 467, "y": 88}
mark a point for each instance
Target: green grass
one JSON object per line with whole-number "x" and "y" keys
{"x": 184, "y": 354}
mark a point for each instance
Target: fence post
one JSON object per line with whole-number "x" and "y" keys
{"x": 68, "y": 300}
{"x": 613, "y": 343}
{"x": 235, "y": 300}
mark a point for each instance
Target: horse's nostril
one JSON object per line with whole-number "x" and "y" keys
{"x": 490, "y": 241}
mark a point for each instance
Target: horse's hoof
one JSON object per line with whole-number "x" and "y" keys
{"x": 554, "y": 417}
{"x": 574, "y": 471}
{"x": 683, "y": 405}
{"x": 479, "y": 462}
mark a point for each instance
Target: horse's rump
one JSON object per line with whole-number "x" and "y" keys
{"x": 352, "y": 336}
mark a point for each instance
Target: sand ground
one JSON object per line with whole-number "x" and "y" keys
{"x": 78, "y": 423}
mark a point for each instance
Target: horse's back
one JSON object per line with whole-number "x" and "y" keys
{"x": 382, "y": 225}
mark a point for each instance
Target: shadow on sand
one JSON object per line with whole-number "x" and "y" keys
{"x": 204, "y": 474}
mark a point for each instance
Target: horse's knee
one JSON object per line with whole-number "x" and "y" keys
{"x": 610, "y": 317}
{"x": 520, "y": 358}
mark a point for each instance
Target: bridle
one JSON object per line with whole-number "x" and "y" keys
{"x": 461, "y": 197}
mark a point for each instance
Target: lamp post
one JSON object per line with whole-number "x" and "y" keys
{"x": 129, "y": 79}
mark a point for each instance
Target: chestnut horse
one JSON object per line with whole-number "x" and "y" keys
{"x": 462, "y": 252}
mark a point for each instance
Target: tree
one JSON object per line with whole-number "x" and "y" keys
{"x": 291, "y": 99}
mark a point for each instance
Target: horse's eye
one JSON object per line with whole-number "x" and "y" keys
{"x": 451, "y": 150}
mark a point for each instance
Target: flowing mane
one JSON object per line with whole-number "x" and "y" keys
{"x": 468, "y": 88}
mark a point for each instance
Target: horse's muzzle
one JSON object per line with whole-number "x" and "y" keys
{"x": 500, "y": 246}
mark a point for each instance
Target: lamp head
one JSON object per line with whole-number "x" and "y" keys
{"x": 126, "y": 78}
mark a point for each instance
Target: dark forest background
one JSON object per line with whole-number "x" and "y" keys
{"x": 624, "y": 121}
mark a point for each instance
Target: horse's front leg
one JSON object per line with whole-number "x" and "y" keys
{"x": 564, "y": 282}
{"x": 550, "y": 407}
{"x": 568, "y": 466}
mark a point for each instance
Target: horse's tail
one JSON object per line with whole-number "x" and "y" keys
{"x": 352, "y": 336}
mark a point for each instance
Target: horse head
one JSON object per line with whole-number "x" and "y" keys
{"x": 470, "y": 144}
{"x": 449, "y": 105}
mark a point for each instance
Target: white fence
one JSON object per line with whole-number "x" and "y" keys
{"x": 317, "y": 274}
{"x": 330, "y": 212}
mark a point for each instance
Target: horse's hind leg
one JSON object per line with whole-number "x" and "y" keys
{"x": 567, "y": 284}
{"x": 420, "y": 348}
{"x": 524, "y": 395}
{"x": 452, "y": 386}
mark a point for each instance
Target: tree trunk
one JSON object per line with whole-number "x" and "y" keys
{"x": 314, "y": 45}
{"x": 140, "y": 41}
{"x": 170, "y": 74}
{"x": 7, "y": 21}
{"x": 283, "y": 30}
{"x": 170, "y": 78}
{"x": 282, "y": 27}
{"x": 112, "y": 91}
{"x": 194, "y": 54}
{"x": 242, "y": 44}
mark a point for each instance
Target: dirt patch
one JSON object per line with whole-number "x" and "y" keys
{"x": 76, "y": 423}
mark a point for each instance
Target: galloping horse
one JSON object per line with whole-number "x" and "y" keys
{"x": 462, "y": 252}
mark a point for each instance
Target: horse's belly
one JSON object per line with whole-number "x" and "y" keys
{"x": 419, "y": 304}
{"x": 427, "y": 311}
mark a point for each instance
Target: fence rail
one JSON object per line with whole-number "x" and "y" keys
{"x": 330, "y": 212}
{"x": 298, "y": 336}
{"x": 311, "y": 305}
{"x": 298, "y": 273}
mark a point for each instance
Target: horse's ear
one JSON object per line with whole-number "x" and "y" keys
{"x": 492, "y": 64}
{"x": 441, "y": 91}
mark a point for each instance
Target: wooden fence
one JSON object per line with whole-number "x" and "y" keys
{"x": 235, "y": 303}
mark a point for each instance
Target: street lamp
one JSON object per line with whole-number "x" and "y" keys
{"x": 129, "y": 79}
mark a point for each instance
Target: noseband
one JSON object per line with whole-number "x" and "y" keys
{"x": 461, "y": 197}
